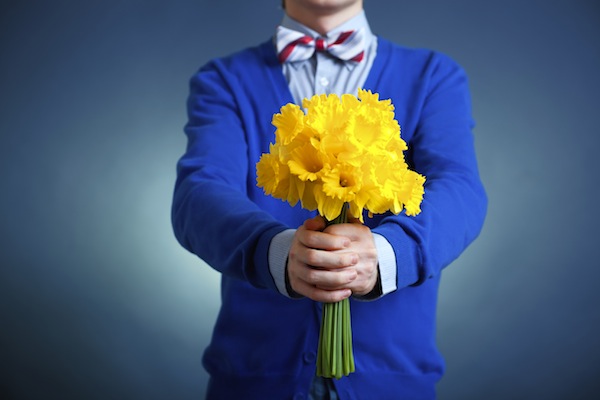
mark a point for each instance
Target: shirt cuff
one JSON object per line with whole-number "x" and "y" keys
{"x": 386, "y": 281}
{"x": 278, "y": 255}
{"x": 387, "y": 264}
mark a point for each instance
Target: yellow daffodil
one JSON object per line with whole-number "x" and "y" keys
{"x": 307, "y": 163}
{"x": 289, "y": 122}
{"x": 342, "y": 182}
{"x": 350, "y": 148}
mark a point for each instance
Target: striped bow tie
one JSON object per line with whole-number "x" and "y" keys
{"x": 297, "y": 46}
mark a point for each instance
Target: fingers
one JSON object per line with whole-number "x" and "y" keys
{"x": 355, "y": 231}
{"x": 320, "y": 295}
{"x": 315, "y": 224}
{"x": 322, "y": 259}
{"x": 327, "y": 279}
{"x": 329, "y": 263}
{"x": 322, "y": 285}
{"x": 363, "y": 245}
{"x": 311, "y": 236}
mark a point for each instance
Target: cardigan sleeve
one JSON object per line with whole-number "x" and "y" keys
{"x": 441, "y": 148}
{"x": 212, "y": 215}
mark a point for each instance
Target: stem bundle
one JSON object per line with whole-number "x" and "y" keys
{"x": 335, "y": 357}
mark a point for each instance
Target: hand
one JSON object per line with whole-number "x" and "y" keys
{"x": 328, "y": 264}
{"x": 362, "y": 243}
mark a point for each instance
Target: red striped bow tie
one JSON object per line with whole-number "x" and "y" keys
{"x": 297, "y": 46}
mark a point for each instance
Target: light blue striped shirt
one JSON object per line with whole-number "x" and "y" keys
{"x": 320, "y": 74}
{"x": 323, "y": 73}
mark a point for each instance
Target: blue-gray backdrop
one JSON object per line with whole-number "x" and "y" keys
{"x": 98, "y": 301}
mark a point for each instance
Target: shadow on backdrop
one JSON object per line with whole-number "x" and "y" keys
{"x": 97, "y": 300}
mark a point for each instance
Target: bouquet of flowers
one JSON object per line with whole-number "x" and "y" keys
{"x": 340, "y": 157}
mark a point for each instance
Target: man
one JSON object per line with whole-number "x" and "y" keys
{"x": 278, "y": 263}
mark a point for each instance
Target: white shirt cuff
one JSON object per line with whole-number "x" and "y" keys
{"x": 278, "y": 255}
{"x": 387, "y": 264}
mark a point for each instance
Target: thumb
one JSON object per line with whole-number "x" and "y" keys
{"x": 315, "y": 224}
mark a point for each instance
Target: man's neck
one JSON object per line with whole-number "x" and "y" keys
{"x": 323, "y": 19}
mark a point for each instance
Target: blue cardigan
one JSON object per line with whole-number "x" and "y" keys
{"x": 264, "y": 344}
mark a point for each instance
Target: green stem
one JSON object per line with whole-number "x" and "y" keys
{"x": 335, "y": 356}
{"x": 339, "y": 336}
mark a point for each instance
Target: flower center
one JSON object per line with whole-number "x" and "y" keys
{"x": 315, "y": 168}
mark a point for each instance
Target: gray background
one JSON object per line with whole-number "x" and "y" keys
{"x": 98, "y": 301}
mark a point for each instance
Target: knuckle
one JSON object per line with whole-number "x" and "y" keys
{"x": 311, "y": 241}
{"x": 312, "y": 276}
{"x": 293, "y": 254}
{"x": 344, "y": 261}
{"x": 348, "y": 259}
{"x": 312, "y": 257}
{"x": 329, "y": 297}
